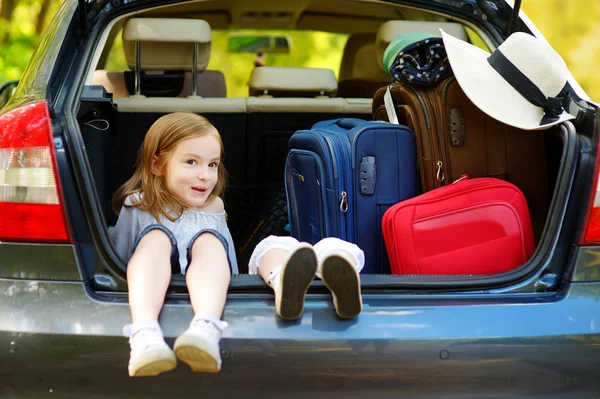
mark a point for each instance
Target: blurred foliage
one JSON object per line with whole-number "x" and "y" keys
{"x": 571, "y": 26}
{"x": 21, "y": 25}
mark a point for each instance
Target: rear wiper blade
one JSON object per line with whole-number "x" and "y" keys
{"x": 83, "y": 21}
{"x": 96, "y": 7}
{"x": 491, "y": 11}
{"x": 514, "y": 18}
{"x": 87, "y": 12}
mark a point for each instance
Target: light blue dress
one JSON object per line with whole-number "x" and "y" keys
{"x": 133, "y": 221}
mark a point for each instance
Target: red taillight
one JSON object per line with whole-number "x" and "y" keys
{"x": 591, "y": 234}
{"x": 30, "y": 197}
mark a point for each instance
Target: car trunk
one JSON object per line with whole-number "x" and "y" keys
{"x": 255, "y": 198}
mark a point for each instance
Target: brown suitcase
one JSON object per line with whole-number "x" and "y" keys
{"x": 454, "y": 138}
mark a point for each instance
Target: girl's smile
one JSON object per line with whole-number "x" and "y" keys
{"x": 201, "y": 191}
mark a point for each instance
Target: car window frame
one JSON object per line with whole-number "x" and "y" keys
{"x": 35, "y": 81}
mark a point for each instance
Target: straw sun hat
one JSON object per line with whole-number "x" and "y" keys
{"x": 522, "y": 84}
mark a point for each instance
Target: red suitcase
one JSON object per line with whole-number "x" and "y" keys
{"x": 474, "y": 226}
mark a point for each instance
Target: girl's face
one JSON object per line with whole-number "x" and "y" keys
{"x": 192, "y": 171}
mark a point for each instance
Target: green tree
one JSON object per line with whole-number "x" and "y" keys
{"x": 21, "y": 25}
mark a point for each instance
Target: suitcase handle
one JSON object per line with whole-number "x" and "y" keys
{"x": 349, "y": 123}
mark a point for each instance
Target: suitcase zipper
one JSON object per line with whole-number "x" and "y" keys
{"x": 435, "y": 145}
{"x": 441, "y": 141}
{"x": 346, "y": 231}
{"x": 345, "y": 176}
{"x": 445, "y": 89}
{"x": 333, "y": 157}
{"x": 348, "y": 177}
{"x": 422, "y": 101}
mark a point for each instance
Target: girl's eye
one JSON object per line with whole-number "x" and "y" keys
{"x": 190, "y": 162}
{"x": 213, "y": 164}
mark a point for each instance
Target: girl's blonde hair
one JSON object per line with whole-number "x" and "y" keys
{"x": 160, "y": 142}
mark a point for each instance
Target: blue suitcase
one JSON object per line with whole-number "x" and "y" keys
{"x": 340, "y": 178}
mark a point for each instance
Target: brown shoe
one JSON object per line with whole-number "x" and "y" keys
{"x": 343, "y": 281}
{"x": 297, "y": 273}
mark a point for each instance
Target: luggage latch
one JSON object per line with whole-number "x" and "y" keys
{"x": 456, "y": 128}
{"x": 367, "y": 175}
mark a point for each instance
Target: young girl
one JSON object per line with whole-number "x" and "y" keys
{"x": 172, "y": 220}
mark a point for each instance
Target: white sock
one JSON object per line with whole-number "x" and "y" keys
{"x": 210, "y": 318}
{"x": 131, "y": 329}
{"x": 274, "y": 280}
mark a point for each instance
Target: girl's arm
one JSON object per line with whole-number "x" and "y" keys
{"x": 123, "y": 234}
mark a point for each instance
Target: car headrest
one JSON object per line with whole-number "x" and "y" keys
{"x": 357, "y": 61}
{"x": 390, "y": 29}
{"x": 167, "y": 44}
{"x": 292, "y": 82}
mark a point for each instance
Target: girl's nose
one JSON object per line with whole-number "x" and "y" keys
{"x": 203, "y": 174}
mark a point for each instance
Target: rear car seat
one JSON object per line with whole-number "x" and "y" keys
{"x": 360, "y": 75}
{"x": 160, "y": 78}
{"x": 167, "y": 44}
{"x": 302, "y": 90}
{"x": 287, "y": 89}
{"x": 284, "y": 100}
{"x": 161, "y": 83}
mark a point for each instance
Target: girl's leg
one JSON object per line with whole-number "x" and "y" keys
{"x": 288, "y": 267}
{"x": 271, "y": 260}
{"x": 148, "y": 277}
{"x": 208, "y": 275}
{"x": 339, "y": 265}
{"x": 269, "y": 256}
{"x": 207, "y": 278}
{"x": 331, "y": 245}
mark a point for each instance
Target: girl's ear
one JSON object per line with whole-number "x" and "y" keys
{"x": 154, "y": 168}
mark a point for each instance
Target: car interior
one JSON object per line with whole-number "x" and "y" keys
{"x": 118, "y": 107}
